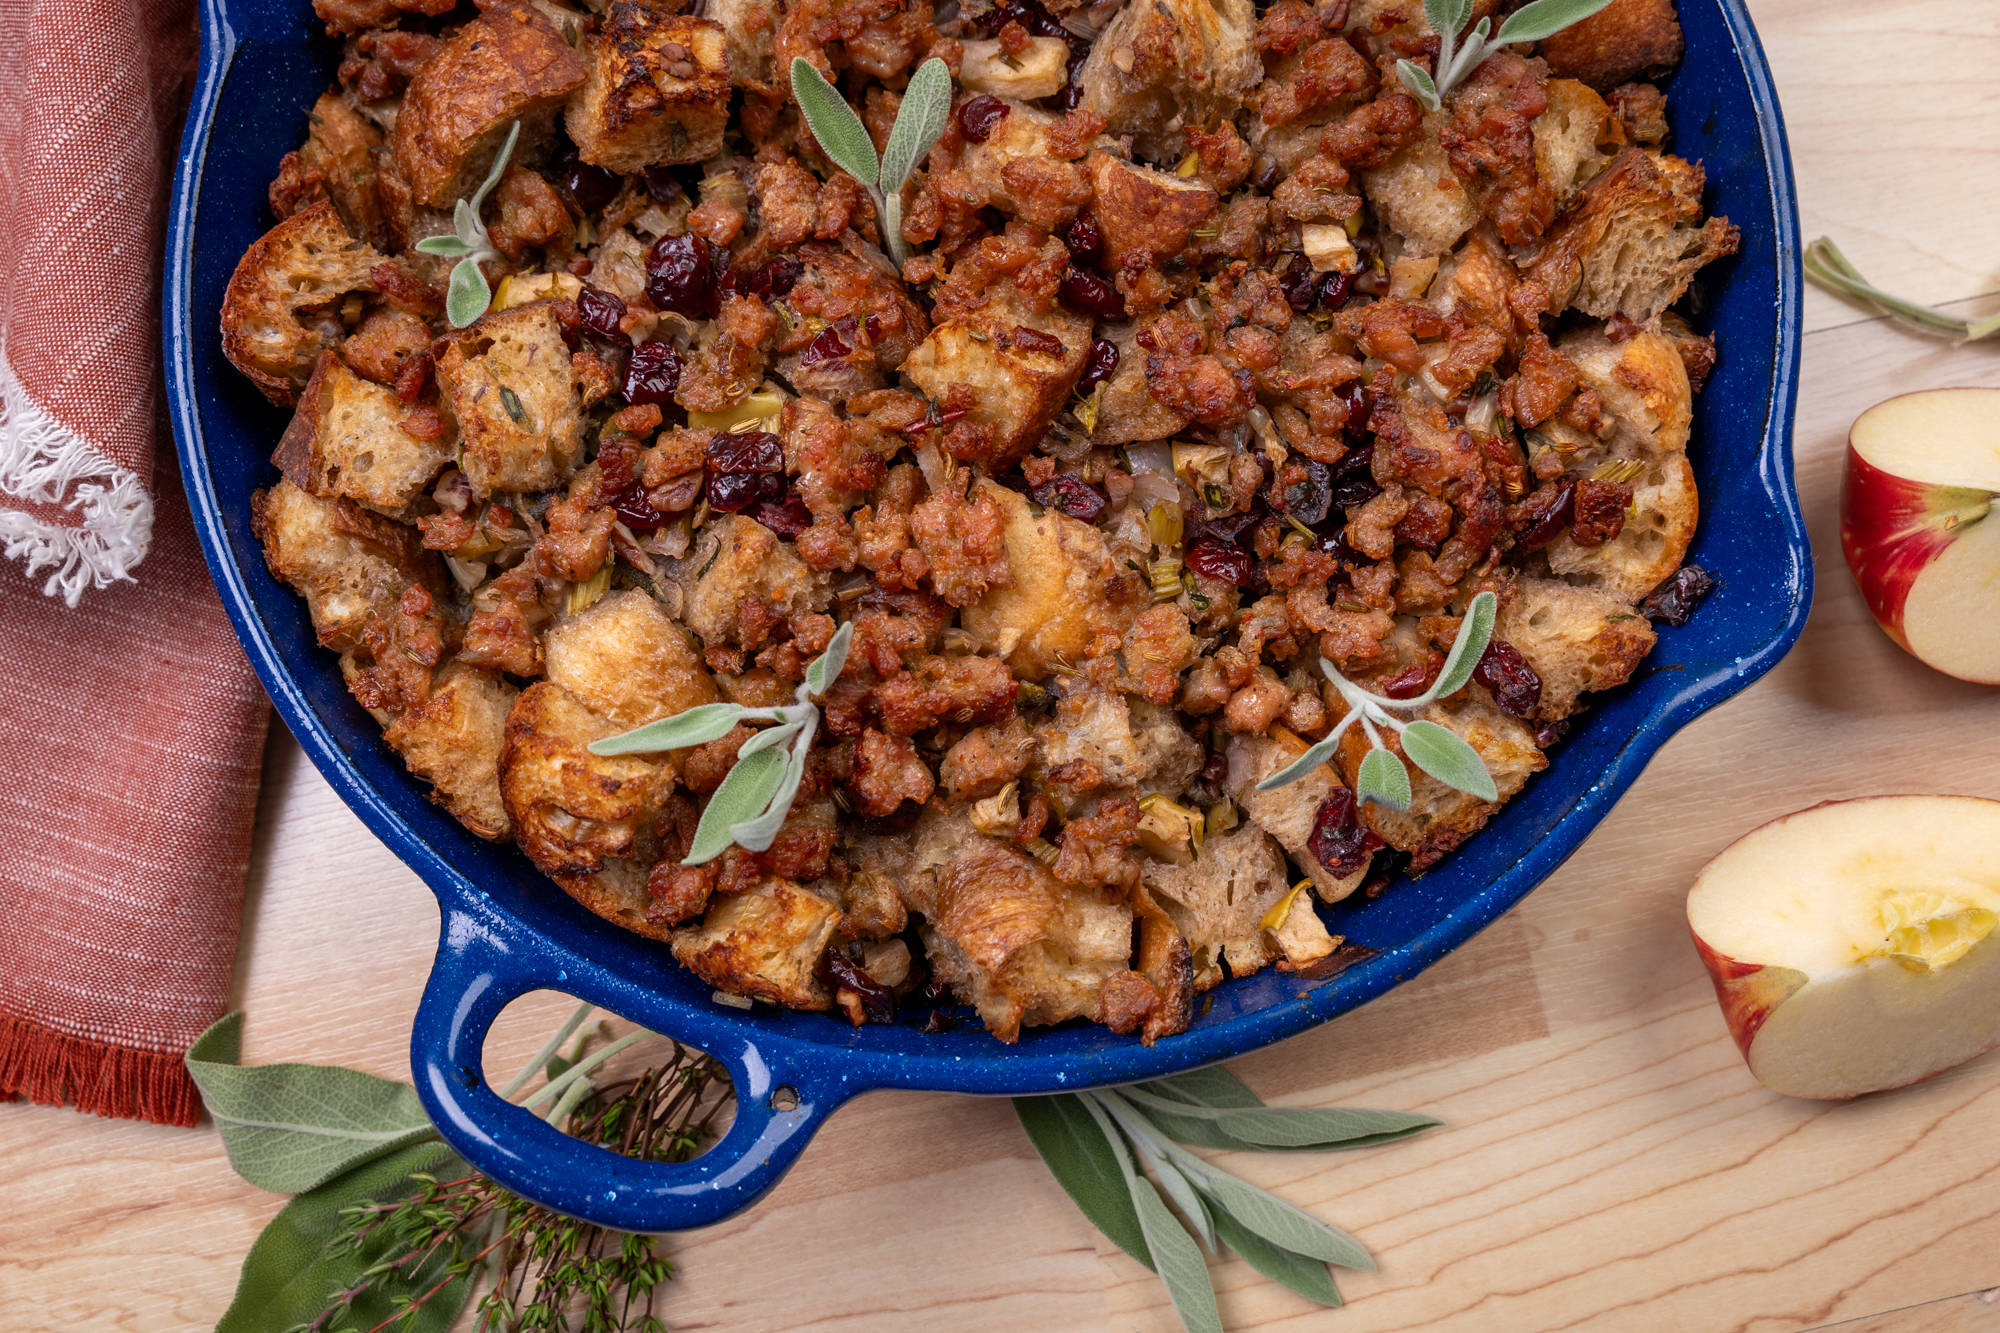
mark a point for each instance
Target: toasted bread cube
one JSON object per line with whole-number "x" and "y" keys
{"x": 765, "y": 944}
{"x": 1576, "y": 639}
{"x": 452, "y": 741}
{"x": 1221, "y": 899}
{"x": 1157, "y": 66}
{"x": 748, "y": 28}
{"x": 507, "y": 378}
{"x": 341, "y": 148}
{"x": 1017, "y": 389}
{"x": 617, "y": 893}
{"x": 1629, "y": 243}
{"x": 347, "y": 438}
{"x": 1066, "y": 589}
{"x": 626, "y": 660}
{"x": 349, "y": 563}
{"x": 1417, "y": 195}
{"x": 1626, "y": 40}
{"x": 507, "y": 65}
{"x": 276, "y": 311}
{"x": 1440, "y": 817}
{"x": 1016, "y": 171}
{"x": 1126, "y": 409}
{"x": 573, "y": 810}
{"x": 1039, "y": 71}
{"x": 1134, "y": 743}
{"x": 658, "y": 89}
{"x": 1290, "y": 812}
{"x": 735, "y": 557}
{"x": 1141, "y": 209}
{"x": 1019, "y": 945}
{"x": 1653, "y": 542}
{"x": 1567, "y": 134}
{"x": 1644, "y": 384}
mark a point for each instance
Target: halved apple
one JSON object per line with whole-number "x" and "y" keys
{"x": 1852, "y": 944}
{"x": 1922, "y": 473}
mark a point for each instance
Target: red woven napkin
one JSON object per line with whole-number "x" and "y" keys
{"x": 131, "y": 728}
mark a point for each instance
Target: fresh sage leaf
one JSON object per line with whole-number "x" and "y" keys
{"x": 290, "y": 1273}
{"x": 1178, "y": 1188}
{"x": 1419, "y": 84}
{"x": 1474, "y": 633}
{"x": 759, "y": 833}
{"x": 1292, "y": 1128}
{"x": 290, "y": 1127}
{"x": 1303, "y": 765}
{"x": 1546, "y": 18}
{"x": 825, "y": 669}
{"x": 1442, "y": 15}
{"x": 471, "y": 230}
{"x": 742, "y": 795}
{"x": 1383, "y": 780}
{"x": 468, "y": 295}
{"x": 697, "y": 726}
{"x": 920, "y": 121}
{"x": 1308, "y": 1277}
{"x": 1211, "y": 1086}
{"x": 451, "y": 247}
{"x": 1074, "y": 1147}
{"x": 1176, "y": 1258}
{"x": 770, "y": 738}
{"x": 494, "y": 172}
{"x": 1283, "y": 1224}
{"x": 840, "y": 133}
{"x": 1446, "y": 757}
{"x": 1826, "y": 265}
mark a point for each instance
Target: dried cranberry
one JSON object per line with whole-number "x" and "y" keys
{"x": 788, "y": 517}
{"x": 1034, "y": 340}
{"x": 1085, "y": 240}
{"x": 1029, "y": 14}
{"x": 1092, "y": 294}
{"x": 1338, "y": 842}
{"x": 601, "y": 313}
{"x": 1334, "y": 289}
{"x": 1071, "y": 95}
{"x": 636, "y": 511}
{"x": 681, "y": 277}
{"x": 1335, "y": 544}
{"x": 752, "y": 451}
{"x": 878, "y": 1002}
{"x": 939, "y": 1021}
{"x": 1385, "y": 867}
{"x": 652, "y": 375}
{"x": 663, "y": 185}
{"x": 772, "y": 280}
{"x": 1215, "y": 559}
{"x": 1354, "y": 477}
{"x": 1098, "y": 364}
{"x": 1214, "y": 774}
{"x": 1544, "y": 515}
{"x": 731, "y": 491}
{"x": 1072, "y": 495}
{"x": 1415, "y": 678}
{"x": 832, "y": 343}
{"x": 1550, "y": 732}
{"x": 1298, "y": 283}
{"x": 1513, "y": 683}
{"x": 978, "y": 115}
{"x": 1303, "y": 490}
{"x": 873, "y": 326}
{"x": 1360, "y": 407}
{"x": 1674, "y": 601}
{"x": 592, "y": 187}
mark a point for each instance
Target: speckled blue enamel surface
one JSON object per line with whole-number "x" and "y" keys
{"x": 507, "y": 930}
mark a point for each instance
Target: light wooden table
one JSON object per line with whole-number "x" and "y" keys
{"x": 1608, "y": 1163}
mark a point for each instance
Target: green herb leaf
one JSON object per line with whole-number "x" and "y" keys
{"x": 1176, "y": 1258}
{"x": 290, "y": 1127}
{"x": 1212, "y": 1086}
{"x": 1303, "y": 765}
{"x": 1474, "y": 633}
{"x": 291, "y": 1271}
{"x": 1443, "y": 17}
{"x": 512, "y": 402}
{"x": 1419, "y": 84}
{"x": 919, "y": 123}
{"x": 1546, "y": 18}
{"x": 468, "y": 296}
{"x": 1826, "y": 265}
{"x": 697, "y": 726}
{"x": 1443, "y": 755}
{"x": 1074, "y": 1147}
{"x": 841, "y": 135}
{"x": 1290, "y": 1128}
{"x": 1283, "y": 1224}
{"x": 449, "y": 246}
{"x": 769, "y": 737}
{"x": 499, "y": 167}
{"x": 825, "y": 669}
{"x": 1182, "y": 1192}
{"x": 1383, "y": 780}
{"x": 1308, "y": 1277}
{"x": 757, "y": 834}
{"x": 742, "y": 795}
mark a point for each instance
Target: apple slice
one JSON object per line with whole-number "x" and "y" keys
{"x": 1852, "y": 945}
{"x": 1922, "y": 472}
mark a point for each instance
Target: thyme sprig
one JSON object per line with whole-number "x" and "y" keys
{"x": 1530, "y": 23}
{"x": 752, "y": 802}
{"x": 844, "y": 139}
{"x": 1436, "y": 750}
{"x": 1826, "y": 265}
{"x": 469, "y": 296}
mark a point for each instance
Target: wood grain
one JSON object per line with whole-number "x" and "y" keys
{"x": 1608, "y": 1163}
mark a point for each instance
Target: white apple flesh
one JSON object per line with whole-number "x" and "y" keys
{"x": 1852, "y": 945}
{"x": 1922, "y": 473}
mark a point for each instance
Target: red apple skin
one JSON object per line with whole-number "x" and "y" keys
{"x": 1890, "y": 528}
{"x": 1747, "y": 992}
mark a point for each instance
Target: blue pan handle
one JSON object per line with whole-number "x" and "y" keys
{"x": 481, "y": 967}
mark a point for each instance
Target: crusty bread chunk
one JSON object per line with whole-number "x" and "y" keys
{"x": 341, "y": 148}
{"x": 657, "y": 92}
{"x": 1289, "y": 813}
{"x": 1017, "y": 172}
{"x": 1018, "y": 389}
{"x": 347, "y": 438}
{"x": 507, "y": 379}
{"x": 349, "y": 563}
{"x": 1133, "y": 743}
{"x": 1160, "y": 65}
{"x": 507, "y": 65}
{"x": 1416, "y": 193}
{"x": 626, "y": 660}
{"x": 1626, "y": 40}
{"x": 1018, "y": 944}
{"x": 1576, "y": 639}
{"x": 747, "y": 29}
{"x": 452, "y": 741}
{"x": 738, "y": 557}
{"x": 278, "y": 312}
{"x": 1644, "y": 383}
{"x": 1629, "y": 243}
{"x": 1141, "y": 209}
{"x": 1653, "y": 542}
{"x": 1567, "y": 134}
{"x": 1039, "y": 71}
{"x": 573, "y": 810}
{"x": 1066, "y": 589}
{"x": 1127, "y": 411}
{"x": 1439, "y": 817}
{"x": 764, "y": 944}
{"x": 617, "y": 893}
{"x": 1220, "y": 900}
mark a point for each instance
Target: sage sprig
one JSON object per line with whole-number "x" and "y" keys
{"x": 1436, "y": 750}
{"x": 752, "y": 802}
{"x": 469, "y": 296}
{"x": 1828, "y": 267}
{"x": 1529, "y": 23}
{"x": 843, "y": 138}
{"x": 1101, "y": 1145}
